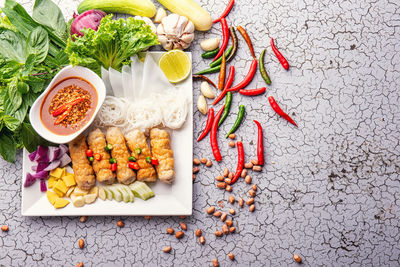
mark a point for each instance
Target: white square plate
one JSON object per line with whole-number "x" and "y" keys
{"x": 175, "y": 199}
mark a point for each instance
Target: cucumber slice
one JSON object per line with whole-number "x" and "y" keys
{"x": 141, "y": 190}
{"x": 116, "y": 193}
{"x": 129, "y": 191}
{"x": 109, "y": 194}
{"x": 102, "y": 193}
{"x": 125, "y": 195}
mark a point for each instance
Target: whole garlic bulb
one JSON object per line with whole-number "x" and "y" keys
{"x": 175, "y": 32}
{"x": 148, "y": 21}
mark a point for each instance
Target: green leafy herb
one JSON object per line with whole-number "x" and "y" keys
{"x": 8, "y": 146}
{"x": 37, "y": 44}
{"x": 12, "y": 45}
{"x": 112, "y": 45}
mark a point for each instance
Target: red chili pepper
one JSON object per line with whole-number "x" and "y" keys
{"x": 260, "y": 144}
{"x": 213, "y": 136}
{"x": 154, "y": 161}
{"x": 132, "y": 165}
{"x": 228, "y": 83}
{"x": 89, "y": 153}
{"x": 226, "y": 11}
{"x": 279, "y": 111}
{"x": 65, "y": 106}
{"x": 240, "y": 164}
{"x": 225, "y": 38}
{"x": 252, "y": 92}
{"x": 210, "y": 119}
{"x": 222, "y": 72}
{"x": 113, "y": 167}
{"x": 205, "y": 78}
{"x": 97, "y": 156}
{"x": 247, "y": 39}
{"x": 63, "y": 116}
{"x": 280, "y": 57}
{"x": 247, "y": 79}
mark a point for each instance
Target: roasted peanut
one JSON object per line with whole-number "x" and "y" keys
{"x": 196, "y": 170}
{"x": 217, "y": 214}
{"x": 247, "y": 179}
{"x": 228, "y": 181}
{"x": 147, "y": 217}
{"x": 252, "y": 207}
{"x": 183, "y": 226}
{"x": 232, "y": 229}
{"x": 257, "y": 168}
{"x": 81, "y": 243}
{"x": 210, "y": 210}
{"x": 196, "y": 161}
{"x": 231, "y": 144}
{"x": 250, "y": 201}
{"x": 120, "y": 224}
{"x": 224, "y": 216}
{"x": 232, "y": 136}
{"x": 226, "y": 172}
{"x": 209, "y": 163}
{"x": 194, "y": 177}
{"x": 203, "y": 160}
{"x": 179, "y": 235}
{"x": 254, "y": 161}
{"x": 230, "y": 175}
{"x": 182, "y": 217}
{"x": 225, "y": 229}
{"x": 231, "y": 256}
{"x": 219, "y": 178}
{"x": 80, "y": 264}
{"x": 83, "y": 219}
{"x": 232, "y": 211}
{"x": 248, "y": 165}
{"x": 221, "y": 185}
{"x": 254, "y": 187}
{"x": 228, "y": 188}
{"x": 170, "y": 231}
{"x": 297, "y": 258}
{"x": 215, "y": 263}
{"x": 231, "y": 199}
{"x": 241, "y": 202}
{"x": 167, "y": 249}
{"x": 4, "y": 228}
{"x": 229, "y": 223}
{"x": 252, "y": 193}
{"x": 198, "y": 232}
{"x": 202, "y": 240}
{"x": 244, "y": 173}
{"x": 218, "y": 233}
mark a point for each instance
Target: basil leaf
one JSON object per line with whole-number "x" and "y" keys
{"x": 11, "y": 123}
{"x": 21, "y": 112}
{"x": 47, "y": 13}
{"x": 30, "y": 138}
{"x": 37, "y": 44}
{"x": 12, "y": 45}
{"x": 8, "y": 147}
{"x": 22, "y": 87}
{"x": 14, "y": 99}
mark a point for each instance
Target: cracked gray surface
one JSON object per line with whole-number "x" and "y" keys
{"x": 329, "y": 190}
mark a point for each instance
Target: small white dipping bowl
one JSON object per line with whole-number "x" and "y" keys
{"x": 69, "y": 71}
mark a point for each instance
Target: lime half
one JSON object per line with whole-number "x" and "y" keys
{"x": 176, "y": 65}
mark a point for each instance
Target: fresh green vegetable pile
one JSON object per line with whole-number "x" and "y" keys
{"x": 32, "y": 51}
{"x": 112, "y": 45}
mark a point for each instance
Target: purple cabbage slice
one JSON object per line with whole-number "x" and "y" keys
{"x": 43, "y": 187}
{"x": 54, "y": 164}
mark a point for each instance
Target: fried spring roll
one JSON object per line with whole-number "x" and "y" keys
{"x": 120, "y": 152}
{"x": 102, "y": 168}
{"x": 161, "y": 149}
{"x": 136, "y": 139}
{"x": 83, "y": 171}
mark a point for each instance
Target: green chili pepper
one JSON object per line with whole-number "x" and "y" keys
{"x": 91, "y": 159}
{"x": 108, "y": 147}
{"x": 235, "y": 43}
{"x": 148, "y": 159}
{"x": 238, "y": 121}
{"x": 112, "y": 160}
{"x": 210, "y": 54}
{"x": 228, "y": 103}
{"x": 132, "y": 159}
{"x": 261, "y": 66}
{"x": 209, "y": 71}
{"x": 219, "y": 60}
{"x": 138, "y": 151}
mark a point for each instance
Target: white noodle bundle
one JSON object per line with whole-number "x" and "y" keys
{"x": 112, "y": 112}
{"x": 144, "y": 115}
{"x": 174, "y": 110}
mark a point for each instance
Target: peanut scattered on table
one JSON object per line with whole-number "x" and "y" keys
{"x": 247, "y": 179}
{"x": 226, "y": 172}
{"x": 241, "y": 202}
{"x": 167, "y": 249}
{"x": 229, "y": 223}
{"x": 224, "y": 216}
{"x": 297, "y": 258}
{"x": 170, "y": 231}
{"x": 244, "y": 173}
{"x": 81, "y": 243}
{"x": 210, "y": 210}
{"x": 232, "y": 229}
{"x": 225, "y": 229}
{"x": 217, "y": 214}
{"x": 232, "y": 136}
{"x": 250, "y": 201}
{"x": 230, "y": 175}
{"x": 231, "y": 199}
{"x": 257, "y": 168}
{"x": 83, "y": 219}
{"x": 248, "y": 165}
{"x": 203, "y": 160}
{"x": 252, "y": 193}
{"x": 196, "y": 161}
{"x": 231, "y": 256}
{"x": 254, "y": 187}
{"x": 120, "y": 224}
{"x": 202, "y": 240}
{"x": 198, "y": 233}
{"x": 254, "y": 161}
{"x": 209, "y": 163}
{"x": 228, "y": 181}
{"x": 221, "y": 185}
{"x": 196, "y": 170}
{"x": 218, "y": 233}
{"x": 219, "y": 178}
{"x": 183, "y": 226}
{"x": 252, "y": 207}
{"x": 4, "y": 228}
{"x": 215, "y": 263}
{"x": 228, "y": 188}
{"x": 232, "y": 211}
{"x": 231, "y": 144}
{"x": 179, "y": 235}
{"x": 79, "y": 264}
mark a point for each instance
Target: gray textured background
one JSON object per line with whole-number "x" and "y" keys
{"x": 330, "y": 190}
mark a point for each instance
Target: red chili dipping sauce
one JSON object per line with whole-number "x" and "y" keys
{"x": 68, "y": 106}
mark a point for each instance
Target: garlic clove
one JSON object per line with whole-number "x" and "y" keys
{"x": 206, "y": 90}
{"x": 210, "y": 44}
{"x": 202, "y": 104}
{"x": 187, "y": 37}
{"x": 181, "y": 24}
{"x": 160, "y": 29}
{"x": 189, "y": 27}
{"x": 161, "y": 13}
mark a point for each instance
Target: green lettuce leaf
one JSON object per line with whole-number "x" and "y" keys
{"x": 112, "y": 45}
